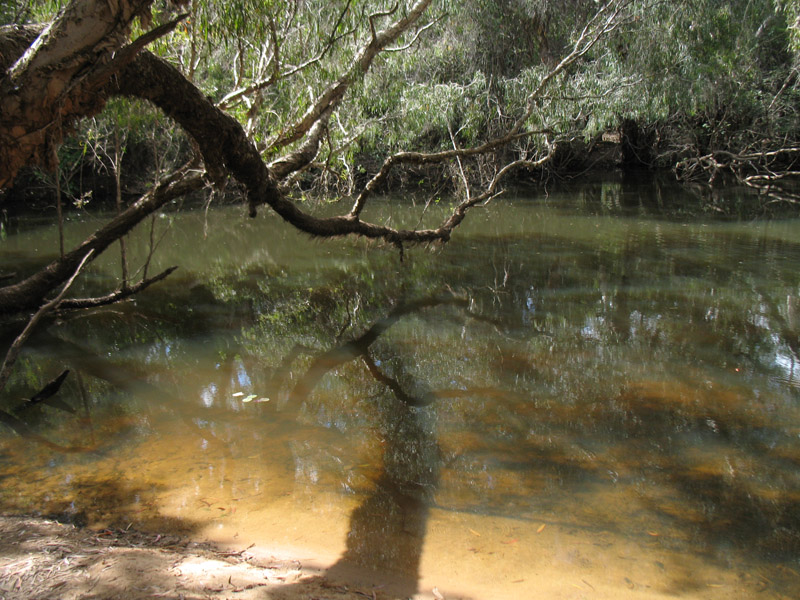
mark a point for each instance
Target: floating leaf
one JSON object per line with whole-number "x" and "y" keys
{"x": 249, "y": 398}
{"x": 237, "y": 394}
{"x": 262, "y": 400}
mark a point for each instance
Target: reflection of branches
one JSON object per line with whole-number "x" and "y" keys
{"x": 358, "y": 347}
{"x": 11, "y": 358}
{"x": 387, "y": 529}
{"x": 394, "y": 385}
{"x": 784, "y": 328}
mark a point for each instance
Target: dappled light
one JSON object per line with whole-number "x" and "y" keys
{"x": 577, "y": 402}
{"x": 424, "y": 299}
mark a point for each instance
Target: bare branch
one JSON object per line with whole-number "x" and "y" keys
{"x": 262, "y": 84}
{"x": 378, "y": 15}
{"x": 276, "y": 75}
{"x": 416, "y": 35}
{"x": 710, "y": 165}
{"x": 16, "y": 346}
{"x": 116, "y": 296}
{"x": 29, "y": 292}
{"x": 332, "y": 95}
{"x": 431, "y": 158}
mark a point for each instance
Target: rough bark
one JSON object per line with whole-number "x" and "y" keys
{"x": 51, "y": 84}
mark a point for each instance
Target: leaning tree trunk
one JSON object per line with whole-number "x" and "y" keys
{"x": 80, "y": 66}
{"x": 55, "y": 81}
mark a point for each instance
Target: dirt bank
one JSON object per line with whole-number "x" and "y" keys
{"x": 49, "y": 560}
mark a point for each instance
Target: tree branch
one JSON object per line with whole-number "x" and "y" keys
{"x": 29, "y": 292}
{"x": 16, "y": 346}
{"x": 305, "y": 154}
{"x": 416, "y": 35}
{"x": 116, "y": 296}
{"x": 333, "y": 94}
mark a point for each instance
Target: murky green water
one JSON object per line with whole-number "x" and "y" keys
{"x": 582, "y": 395}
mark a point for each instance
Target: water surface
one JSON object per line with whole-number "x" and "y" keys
{"x": 585, "y": 394}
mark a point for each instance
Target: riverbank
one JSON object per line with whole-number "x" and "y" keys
{"x": 46, "y": 559}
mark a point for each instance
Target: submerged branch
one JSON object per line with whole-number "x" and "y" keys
{"x": 29, "y": 292}
{"x": 116, "y": 296}
{"x": 16, "y": 346}
{"x": 45, "y": 395}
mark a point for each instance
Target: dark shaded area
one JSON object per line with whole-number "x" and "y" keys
{"x": 638, "y": 145}
{"x": 45, "y": 395}
{"x": 387, "y": 530}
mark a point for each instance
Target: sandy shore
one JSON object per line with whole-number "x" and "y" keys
{"x": 46, "y": 560}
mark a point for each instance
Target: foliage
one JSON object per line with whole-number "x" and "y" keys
{"x": 707, "y": 74}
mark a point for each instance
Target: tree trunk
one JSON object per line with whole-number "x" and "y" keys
{"x": 54, "y": 83}
{"x": 637, "y": 146}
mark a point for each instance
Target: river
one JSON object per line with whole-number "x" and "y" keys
{"x": 588, "y": 393}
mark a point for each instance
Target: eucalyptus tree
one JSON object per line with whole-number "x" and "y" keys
{"x": 57, "y": 74}
{"x": 689, "y": 77}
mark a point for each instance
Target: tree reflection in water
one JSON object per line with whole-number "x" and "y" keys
{"x": 638, "y": 374}
{"x": 387, "y": 529}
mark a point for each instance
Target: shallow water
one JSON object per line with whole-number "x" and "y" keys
{"x": 583, "y": 395}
